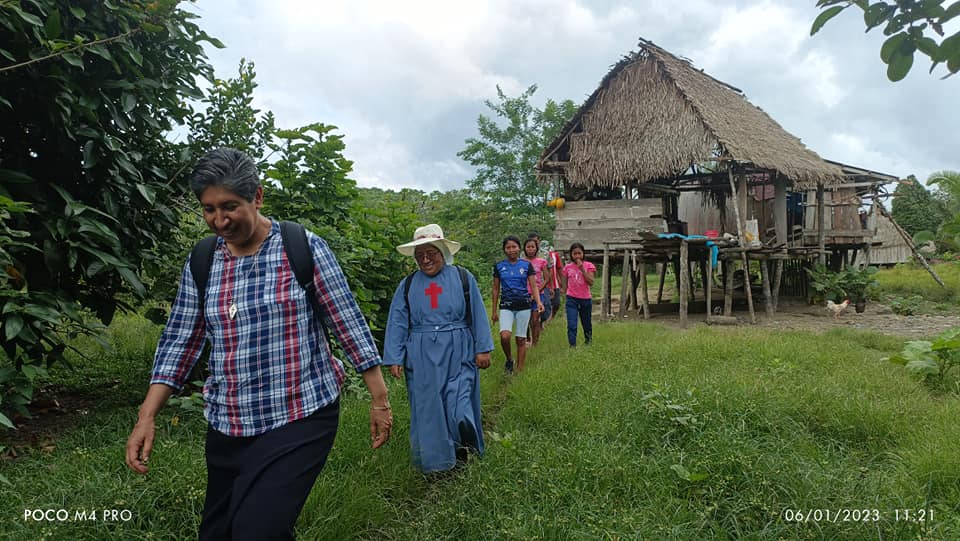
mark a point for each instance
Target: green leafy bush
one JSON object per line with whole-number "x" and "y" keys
{"x": 853, "y": 283}
{"x": 906, "y": 306}
{"x": 931, "y": 360}
{"x": 859, "y": 283}
{"x": 90, "y": 90}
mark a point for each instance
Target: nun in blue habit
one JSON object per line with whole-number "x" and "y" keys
{"x": 438, "y": 349}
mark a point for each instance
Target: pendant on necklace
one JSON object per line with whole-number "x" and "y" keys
{"x": 233, "y": 310}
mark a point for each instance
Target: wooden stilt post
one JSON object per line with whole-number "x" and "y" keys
{"x": 727, "y": 287}
{"x": 777, "y": 278}
{"x": 821, "y": 232}
{"x": 747, "y": 287}
{"x": 663, "y": 278}
{"x": 741, "y": 226}
{"x": 684, "y": 282}
{"x": 765, "y": 280}
{"x": 643, "y": 289}
{"x": 708, "y": 285}
{"x": 703, "y": 272}
{"x": 782, "y": 227}
{"x": 605, "y": 285}
{"x": 624, "y": 286}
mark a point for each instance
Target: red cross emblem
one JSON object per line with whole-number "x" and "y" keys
{"x": 433, "y": 292}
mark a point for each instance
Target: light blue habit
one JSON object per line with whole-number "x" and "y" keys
{"x": 437, "y": 349}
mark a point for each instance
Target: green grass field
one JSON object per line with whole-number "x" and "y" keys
{"x": 651, "y": 433}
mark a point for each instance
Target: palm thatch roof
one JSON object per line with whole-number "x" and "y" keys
{"x": 654, "y": 116}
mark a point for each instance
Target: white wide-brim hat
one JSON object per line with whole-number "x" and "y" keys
{"x": 430, "y": 234}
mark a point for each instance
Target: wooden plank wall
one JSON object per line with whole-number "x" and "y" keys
{"x": 844, "y": 217}
{"x": 593, "y": 222}
{"x": 893, "y": 250}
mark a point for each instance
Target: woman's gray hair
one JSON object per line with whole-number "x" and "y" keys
{"x": 227, "y": 167}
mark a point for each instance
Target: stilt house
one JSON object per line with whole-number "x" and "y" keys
{"x": 662, "y": 147}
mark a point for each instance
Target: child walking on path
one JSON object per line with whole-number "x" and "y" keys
{"x": 555, "y": 263}
{"x": 530, "y": 247}
{"x": 513, "y": 278}
{"x": 576, "y": 279}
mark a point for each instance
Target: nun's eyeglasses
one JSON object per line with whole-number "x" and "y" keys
{"x": 426, "y": 254}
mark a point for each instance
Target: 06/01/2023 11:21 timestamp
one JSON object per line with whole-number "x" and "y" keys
{"x": 900, "y": 514}
{"x": 913, "y": 515}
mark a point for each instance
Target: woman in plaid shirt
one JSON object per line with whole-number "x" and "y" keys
{"x": 272, "y": 396}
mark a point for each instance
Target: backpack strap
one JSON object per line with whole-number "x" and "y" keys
{"x": 466, "y": 295}
{"x": 406, "y": 296}
{"x": 295, "y": 245}
{"x": 297, "y": 248}
{"x": 300, "y": 256}
{"x": 201, "y": 259}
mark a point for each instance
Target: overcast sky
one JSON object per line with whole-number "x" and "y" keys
{"x": 404, "y": 81}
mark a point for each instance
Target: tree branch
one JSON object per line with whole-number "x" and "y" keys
{"x": 70, "y": 50}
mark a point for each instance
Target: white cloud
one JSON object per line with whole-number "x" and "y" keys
{"x": 856, "y": 150}
{"x": 405, "y": 81}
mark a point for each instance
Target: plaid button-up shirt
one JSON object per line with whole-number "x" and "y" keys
{"x": 270, "y": 364}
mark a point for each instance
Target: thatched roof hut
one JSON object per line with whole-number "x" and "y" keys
{"x": 654, "y": 116}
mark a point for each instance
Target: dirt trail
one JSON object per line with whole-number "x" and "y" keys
{"x": 797, "y": 315}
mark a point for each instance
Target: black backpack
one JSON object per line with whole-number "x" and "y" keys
{"x": 466, "y": 294}
{"x": 298, "y": 251}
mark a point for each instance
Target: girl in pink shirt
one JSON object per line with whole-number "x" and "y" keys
{"x": 530, "y": 248}
{"x": 576, "y": 279}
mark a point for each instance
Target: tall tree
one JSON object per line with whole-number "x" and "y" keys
{"x": 230, "y": 119}
{"x": 227, "y": 119}
{"x": 508, "y": 146}
{"x": 913, "y": 25}
{"x": 914, "y": 208}
{"x": 308, "y": 181}
{"x": 88, "y": 91}
{"x": 948, "y": 234}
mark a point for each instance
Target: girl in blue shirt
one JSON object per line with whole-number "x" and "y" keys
{"x": 513, "y": 280}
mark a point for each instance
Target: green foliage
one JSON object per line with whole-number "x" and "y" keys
{"x": 506, "y": 156}
{"x": 859, "y": 282}
{"x": 914, "y": 208}
{"x": 479, "y": 225}
{"x": 89, "y": 91}
{"x": 191, "y": 403}
{"x": 227, "y": 120}
{"x": 307, "y": 181}
{"x": 309, "y": 184}
{"x": 851, "y": 282}
{"x": 827, "y": 284}
{"x": 931, "y": 360}
{"x": 906, "y": 306}
{"x": 948, "y": 234}
{"x": 230, "y": 120}
{"x": 910, "y": 288}
{"x": 912, "y": 25}
{"x": 774, "y": 424}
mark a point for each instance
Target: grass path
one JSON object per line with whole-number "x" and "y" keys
{"x": 651, "y": 433}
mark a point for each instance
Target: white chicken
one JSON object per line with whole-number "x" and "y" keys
{"x": 837, "y": 309}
